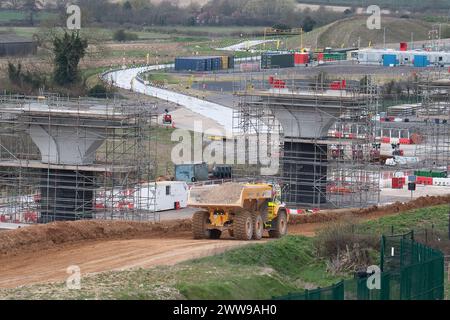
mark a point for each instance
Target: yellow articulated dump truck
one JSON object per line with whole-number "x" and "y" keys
{"x": 243, "y": 210}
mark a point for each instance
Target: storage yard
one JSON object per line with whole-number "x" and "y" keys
{"x": 285, "y": 146}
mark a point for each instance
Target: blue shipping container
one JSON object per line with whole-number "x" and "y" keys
{"x": 190, "y": 64}
{"x": 191, "y": 172}
{"x": 198, "y": 63}
{"x": 421, "y": 61}
{"x": 390, "y": 60}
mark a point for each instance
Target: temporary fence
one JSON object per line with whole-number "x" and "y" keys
{"x": 409, "y": 271}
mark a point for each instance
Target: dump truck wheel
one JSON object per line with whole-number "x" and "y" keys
{"x": 258, "y": 226}
{"x": 243, "y": 226}
{"x": 199, "y": 223}
{"x": 279, "y": 225}
{"x": 215, "y": 234}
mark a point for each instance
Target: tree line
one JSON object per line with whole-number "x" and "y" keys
{"x": 214, "y": 13}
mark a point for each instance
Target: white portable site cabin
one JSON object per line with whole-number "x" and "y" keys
{"x": 162, "y": 196}
{"x": 375, "y": 56}
{"x": 152, "y": 196}
{"x": 370, "y": 56}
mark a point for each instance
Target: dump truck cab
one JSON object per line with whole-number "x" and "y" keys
{"x": 245, "y": 211}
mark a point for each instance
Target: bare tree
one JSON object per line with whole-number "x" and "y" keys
{"x": 32, "y": 7}
{"x": 14, "y": 4}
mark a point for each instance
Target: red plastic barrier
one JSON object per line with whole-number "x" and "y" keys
{"x": 279, "y": 84}
{"x": 338, "y": 85}
{"x": 405, "y": 141}
{"x": 385, "y": 140}
{"x": 427, "y": 181}
{"x": 398, "y": 183}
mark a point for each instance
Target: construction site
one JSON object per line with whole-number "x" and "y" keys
{"x": 66, "y": 160}
{"x": 300, "y": 167}
{"x": 319, "y": 168}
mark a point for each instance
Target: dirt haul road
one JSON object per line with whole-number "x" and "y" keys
{"x": 103, "y": 247}
{"x": 42, "y": 253}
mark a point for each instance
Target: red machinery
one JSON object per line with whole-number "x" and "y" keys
{"x": 167, "y": 118}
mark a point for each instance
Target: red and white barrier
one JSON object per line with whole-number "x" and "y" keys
{"x": 301, "y": 211}
{"x": 295, "y": 211}
{"x": 396, "y": 140}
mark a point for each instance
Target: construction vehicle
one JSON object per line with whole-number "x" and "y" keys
{"x": 167, "y": 118}
{"x": 244, "y": 210}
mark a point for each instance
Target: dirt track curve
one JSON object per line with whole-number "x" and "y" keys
{"x": 42, "y": 253}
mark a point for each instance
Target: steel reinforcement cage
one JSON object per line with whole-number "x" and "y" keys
{"x": 114, "y": 141}
{"x": 410, "y": 271}
{"x": 344, "y": 172}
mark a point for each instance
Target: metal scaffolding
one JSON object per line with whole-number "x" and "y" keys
{"x": 66, "y": 159}
{"x": 434, "y": 113}
{"x": 328, "y": 152}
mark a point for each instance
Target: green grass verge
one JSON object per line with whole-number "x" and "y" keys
{"x": 436, "y": 217}
{"x": 161, "y": 77}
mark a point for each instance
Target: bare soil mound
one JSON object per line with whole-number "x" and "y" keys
{"x": 374, "y": 211}
{"x": 41, "y": 237}
{"x": 227, "y": 193}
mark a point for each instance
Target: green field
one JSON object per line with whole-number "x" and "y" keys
{"x": 16, "y": 15}
{"x": 210, "y": 31}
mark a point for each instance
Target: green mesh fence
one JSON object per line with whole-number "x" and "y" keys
{"x": 334, "y": 292}
{"x": 409, "y": 271}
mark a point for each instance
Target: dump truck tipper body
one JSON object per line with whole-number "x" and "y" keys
{"x": 244, "y": 210}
